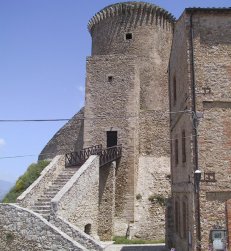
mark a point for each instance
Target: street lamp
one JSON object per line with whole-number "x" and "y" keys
{"x": 197, "y": 178}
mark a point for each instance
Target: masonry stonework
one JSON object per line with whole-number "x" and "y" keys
{"x": 142, "y": 64}
{"x": 68, "y": 139}
{"x": 201, "y": 120}
{"x": 22, "y": 229}
{"x": 77, "y": 201}
{"x": 126, "y": 92}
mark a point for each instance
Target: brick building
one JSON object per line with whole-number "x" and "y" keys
{"x": 200, "y": 127}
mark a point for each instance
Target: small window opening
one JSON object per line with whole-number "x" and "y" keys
{"x": 176, "y": 152}
{"x": 177, "y": 218}
{"x": 185, "y": 221}
{"x": 174, "y": 90}
{"x": 87, "y": 229}
{"x": 110, "y": 78}
{"x": 128, "y": 36}
{"x": 183, "y": 146}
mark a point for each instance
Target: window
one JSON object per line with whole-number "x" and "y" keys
{"x": 184, "y": 220}
{"x": 174, "y": 90}
{"x": 87, "y": 229}
{"x": 128, "y": 36}
{"x": 183, "y": 146}
{"x": 110, "y": 78}
{"x": 111, "y": 138}
{"x": 177, "y": 218}
{"x": 176, "y": 152}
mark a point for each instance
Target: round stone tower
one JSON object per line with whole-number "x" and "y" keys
{"x": 126, "y": 103}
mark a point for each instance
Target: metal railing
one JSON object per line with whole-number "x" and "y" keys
{"x": 105, "y": 155}
{"x": 110, "y": 154}
{"x": 78, "y": 158}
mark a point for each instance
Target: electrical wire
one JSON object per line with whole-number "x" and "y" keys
{"x": 51, "y": 153}
{"x": 32, "y": 120}
{"x": 89, "y": 118}
{"x": 93, "y": 118}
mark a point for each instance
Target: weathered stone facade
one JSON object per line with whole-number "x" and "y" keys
{"x": 68, "y": 139}
{"x": 126, "y": 92}
{"x": 200, "y": 98}
{"x": 22, "y": 229}
{"x": 77, "y": 201}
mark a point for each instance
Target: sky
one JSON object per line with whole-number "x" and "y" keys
{"x": 43, "y": 50}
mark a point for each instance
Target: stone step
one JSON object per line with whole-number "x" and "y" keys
{"x": 54, "y": 188}
{"x": 44, "y": 203}
{"x": 60, "y": 181}
{"x": 64, "y": 177}
{"x": 41, "y": 208}
{"x": 42, "y": 211}
{"x": 52, "y": 191}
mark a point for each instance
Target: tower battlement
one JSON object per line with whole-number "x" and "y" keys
{"x": 133, "y": 13}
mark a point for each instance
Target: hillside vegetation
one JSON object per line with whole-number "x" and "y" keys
{"x": 25, "y": 181}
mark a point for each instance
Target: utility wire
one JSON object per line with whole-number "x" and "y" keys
{"x": 51, "y": 153}
{"x": 106, "y": 116}
{"x": 32, "y": 120}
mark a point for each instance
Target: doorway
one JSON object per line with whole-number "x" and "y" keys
{"x": 111, "y": 138}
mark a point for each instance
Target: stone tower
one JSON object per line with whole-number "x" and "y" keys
{"x": 126, "y": 103}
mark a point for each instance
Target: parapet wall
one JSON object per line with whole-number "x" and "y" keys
{"x": 22, "y": 229}
{"x": 129, "y": 28}
{"x": 77, "y": 201}
{"x": 77, "y": 234}
{"x": 46, "y": 178}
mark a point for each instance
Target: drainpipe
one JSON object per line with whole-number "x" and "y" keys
{"x": 195, "y": 142}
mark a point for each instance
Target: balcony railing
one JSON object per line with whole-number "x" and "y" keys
{"x": 105, "y": 155}
{"x": 78, "y": 158}
{"x": 110, "y": 154}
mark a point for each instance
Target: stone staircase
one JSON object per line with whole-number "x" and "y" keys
{"x": 43, "y": 204}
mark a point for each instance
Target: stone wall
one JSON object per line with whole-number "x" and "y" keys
{"x": 127, "y": 92}
{"x": 143, "y": 20}
{"x": 152, "y": 192}
{"x": 212, "y": 66}
{"x": 46, "y": 178}
{"x": 21, "y": 229}
{"x": 114, "y": 106}
{"x": 68, "y": 139}
{"x": 77, "y": 201}
{"x": 107, "y": 201}
{"x": 76, "y": 234}
{"x": 209, "y": 51}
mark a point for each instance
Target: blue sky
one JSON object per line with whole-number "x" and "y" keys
{"x": 43, "y": 49}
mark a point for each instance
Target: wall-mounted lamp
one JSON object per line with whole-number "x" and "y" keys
{"x": 197, "y": 179}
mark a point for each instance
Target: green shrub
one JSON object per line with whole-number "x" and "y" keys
{"x": 25, "y": 181}
{"x": 138, "y": 196}
{"x": 159, "y": 198}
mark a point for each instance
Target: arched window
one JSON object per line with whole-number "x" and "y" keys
{"x": 183, "y": 144}
{"x": 87, "y": 229}
{"x": 174, "y": 90}
{"x": 177, "y": 216}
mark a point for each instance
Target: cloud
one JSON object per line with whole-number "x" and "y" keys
{"x": 2, "y": 142}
